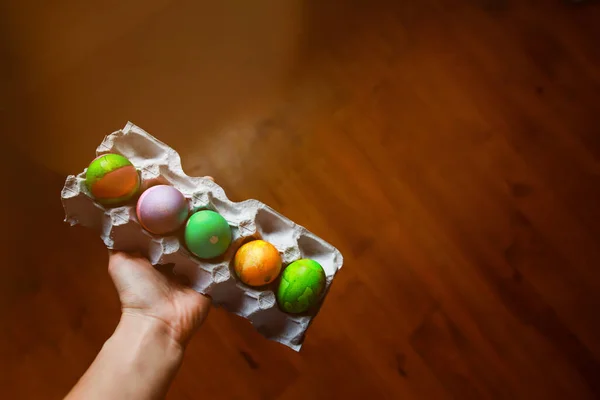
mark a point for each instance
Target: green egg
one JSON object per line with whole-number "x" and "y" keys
{"x": 207, "y": 234}
{"x": 302, "y": 284}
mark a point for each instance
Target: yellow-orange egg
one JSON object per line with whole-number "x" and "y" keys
{"x": 257, "y": 263}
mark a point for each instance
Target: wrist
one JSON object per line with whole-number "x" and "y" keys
{"x": 144, "y": 354}
{"x": 138, "y": 361}
{"x": 140, "y": 334}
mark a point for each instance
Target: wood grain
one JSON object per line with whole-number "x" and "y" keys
{"x": 449, "y": 148}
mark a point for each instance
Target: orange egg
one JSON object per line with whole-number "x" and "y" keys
{"x": 257, "y": 263}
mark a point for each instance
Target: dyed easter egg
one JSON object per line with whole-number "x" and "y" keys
{"x": 257, "y": 263}
{"x": 162, "y": 209}
{"x": 112, "y": 179}
{"x": 207, "y": 234}
{"x": 302, "y": 284}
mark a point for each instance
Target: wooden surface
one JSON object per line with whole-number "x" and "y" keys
{"x": 450, "y": 149}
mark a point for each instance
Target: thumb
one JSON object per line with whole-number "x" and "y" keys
{"x": 127, "y": 270}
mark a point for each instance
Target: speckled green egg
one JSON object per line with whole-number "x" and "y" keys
{"x": 302, "y": 284}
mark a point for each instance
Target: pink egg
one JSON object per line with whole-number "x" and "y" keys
{"x": 162, "y": 209}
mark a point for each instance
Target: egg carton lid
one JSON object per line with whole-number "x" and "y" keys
{"x": 119, "y": 228}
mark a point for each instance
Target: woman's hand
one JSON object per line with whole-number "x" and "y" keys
{"x": 146, "y": 293}
{"x": 159, "y": 316}
{"x": 140, "y": 359}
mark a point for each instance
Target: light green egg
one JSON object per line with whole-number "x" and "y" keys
{"x": 207, "y": 234}
{"x": 301, "y": 286}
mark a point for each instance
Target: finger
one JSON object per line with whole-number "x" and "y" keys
{"x": 203, "y": 301}
{"x": 118, "y": 256}
{"x": 116, "y": 263}
{"x": 127, "y": 270}
{"x": 117, "y": 260}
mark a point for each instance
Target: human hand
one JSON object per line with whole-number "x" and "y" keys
{"x": 148, "y": 294}
{"x": 159, "y": 316}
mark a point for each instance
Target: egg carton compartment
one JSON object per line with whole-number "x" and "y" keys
{"x": 119, "y": 229}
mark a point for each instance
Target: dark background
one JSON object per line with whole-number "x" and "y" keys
{"x": 449, "y": 148}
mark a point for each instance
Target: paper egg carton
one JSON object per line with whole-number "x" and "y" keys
{"x": 119, "y": 228}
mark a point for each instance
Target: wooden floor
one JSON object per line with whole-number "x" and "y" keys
{"x": 449, "y": 148}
